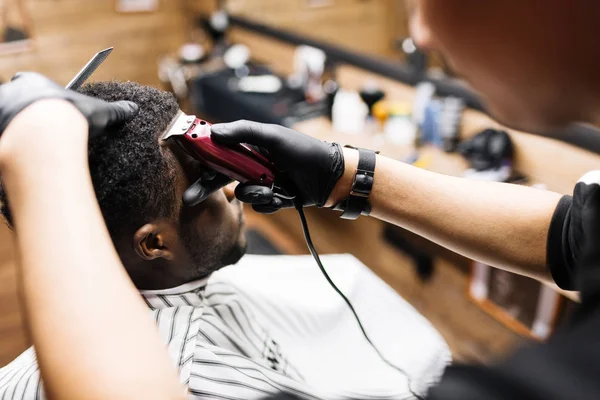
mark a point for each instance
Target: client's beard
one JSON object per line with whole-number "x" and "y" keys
{"x": 208, "y": 258}
{"x": 234, "y": 255}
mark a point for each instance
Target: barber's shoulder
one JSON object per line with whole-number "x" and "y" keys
{"x": 580, "y": 231}
{"x": 590, "y": 178}
{"x": 574, "y": 231}
{"x": 586, "y": 193}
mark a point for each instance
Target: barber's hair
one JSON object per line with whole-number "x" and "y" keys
{"x": 131, "y": 177}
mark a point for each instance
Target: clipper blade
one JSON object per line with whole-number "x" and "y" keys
{"x": 180, "y": 125}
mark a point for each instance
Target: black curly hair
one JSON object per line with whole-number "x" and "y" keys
{"x": 131, "y": 176}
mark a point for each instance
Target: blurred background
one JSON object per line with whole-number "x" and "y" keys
{"x": 340, "y": 70}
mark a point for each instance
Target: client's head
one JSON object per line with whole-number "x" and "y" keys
{"x": 139, "y": 181}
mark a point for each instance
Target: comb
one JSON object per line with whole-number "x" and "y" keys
{"x": 89, "y": 69}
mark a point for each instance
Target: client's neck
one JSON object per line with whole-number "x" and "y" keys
{"x": 156, "y": 275}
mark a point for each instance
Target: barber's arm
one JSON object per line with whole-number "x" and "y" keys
{"x": 88, "y": 346}
{"x": 500, "y": 224}
{"x": 496, "y": 223}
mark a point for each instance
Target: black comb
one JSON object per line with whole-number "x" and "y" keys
{"x": 89, "y": 69}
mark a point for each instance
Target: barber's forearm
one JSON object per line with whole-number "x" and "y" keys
{"x": 500, "y": 224}
{"x": 92, "y": 332}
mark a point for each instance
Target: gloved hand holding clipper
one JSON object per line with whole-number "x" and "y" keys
{"x": 314, "y": 167}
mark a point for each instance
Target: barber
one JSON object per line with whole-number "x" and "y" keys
{"x": 65, "y": 251}
{"x": 533, "y": 232}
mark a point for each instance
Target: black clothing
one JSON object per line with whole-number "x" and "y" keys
{"x": 567, "y": 367}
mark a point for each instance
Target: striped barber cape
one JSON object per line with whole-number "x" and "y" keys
{"x": 224, "y": 333}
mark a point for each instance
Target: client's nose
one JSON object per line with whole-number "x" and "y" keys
{"x": 229, "y": 191}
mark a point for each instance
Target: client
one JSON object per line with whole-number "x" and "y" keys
{"x": 170, "y": 251}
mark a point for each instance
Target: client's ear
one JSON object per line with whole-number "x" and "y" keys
{"x": 151, "y": 242}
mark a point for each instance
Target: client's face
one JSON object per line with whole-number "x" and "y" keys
{"x": 211, "y": 234}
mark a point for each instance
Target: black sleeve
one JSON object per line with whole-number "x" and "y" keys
{"x": 573, "y": 249}
{"x": 566, "y": 368}
{"x": 558, "y": 253}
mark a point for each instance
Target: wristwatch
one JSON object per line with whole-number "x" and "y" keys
{"x": 358, "y": 202}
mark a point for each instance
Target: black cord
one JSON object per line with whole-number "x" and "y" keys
{"x": 314, "y": 253}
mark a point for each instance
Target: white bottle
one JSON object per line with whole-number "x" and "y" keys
{"x": 400, "y": 130}
{"x": 348, "y": 113}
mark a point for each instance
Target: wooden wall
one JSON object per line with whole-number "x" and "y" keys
{"x": 369, "y": 26}
{"x": 68, "y": 32}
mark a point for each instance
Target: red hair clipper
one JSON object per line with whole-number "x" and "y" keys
{"x": 238, "y": 162}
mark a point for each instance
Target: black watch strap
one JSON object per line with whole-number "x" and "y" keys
{"x": 358, "y": 201}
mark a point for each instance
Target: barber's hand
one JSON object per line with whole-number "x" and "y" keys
{"x": 28, "y": 87}
{"x": 312, "y": 166}
{"x": 208, "y": 183}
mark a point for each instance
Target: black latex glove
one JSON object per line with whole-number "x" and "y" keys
{"x": 309, "y": 168}
{"x": 207, "y": 184}
{"x": 28, "y": 87}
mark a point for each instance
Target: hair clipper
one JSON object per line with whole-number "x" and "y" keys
{"x": 238, "y": 162}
